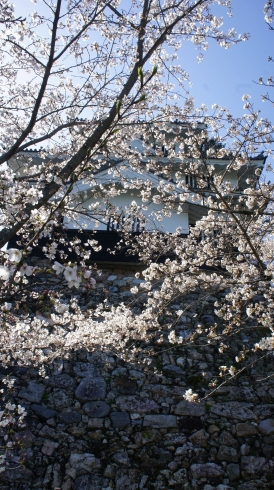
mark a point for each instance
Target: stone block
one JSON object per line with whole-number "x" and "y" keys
{"x": 229, "y": 454}
{"x": 33, "y": 392}
{"x": 233, "y": 471}
{"x": 120, "y": 419}
{"x": 206, "y": 470}
{"x": 253, "y": 467}
{"x": 70, "y": 417}
{"x": 62, "y": 381}
{"x": 91, "y": 388}
{"x": 160, "y": 421}
{"x": 43, "y": 412}
{"x": 83, "y": 462}
{"x": 233, "y": 410}
{"x": 136, "y": 404}
{"x": 199, "y": 438}
{"x": 96, "y": 409}
{"x": 266, "y": 427}
{"x": 190, "y": 409}
{"x": 246, "y": 430}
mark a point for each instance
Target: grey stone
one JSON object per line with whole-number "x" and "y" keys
{"x": 67, "y": 484}
{"x": 70, "y": 417}
{"x": 180, "y": 476}
{"x": 227, "y": 439}
{"x": 96, "y": 423}
{"x": 253, "y": 467}
{"x": 62, "y": 381}
{"x": 119, "y": 371}
{"x": 174, "y": 439}
{"x": 58, "y": 366}
{"x": 234, "y": 410}
{"x": 173, "y": 371}
{"x": 120, "y": 419}
{"x": 224, "y": 487}
{"x": 13, "y": 476}
{"x": 181, "y": 362}
{"x": 85, "y": 369}
{"x": 43, "y": 412}
{"x": 160, "y": 457}
{"x": 147, "y": 436}
{"x": 208, "y": 319}
{"x": 125, "y": 386}
{"x": 264, "y": 411}
{"x": 137, "y": 405}
{"x": 121, "y": 458}
{"x": 185, "y": 450}
{"x": 120, "y": 283}
{"x": 233, "y": 471}
{"x": 96, "y": 409}
{"x": 185, "y": 334}
{"x": 143, "y": 482}
{"x": 150, "y": 464}
{"x": 83, "y": 462}
{"x": 266, "y": 427}
{"x": 136, "y": 374}
{"x": 246, "y": 430}
{"x": 199, "y": 438}
{"x": 254, "y": 485}
{"x": 88, "y": 482}
{"x": 49, "y": 447}
{"x": 228, "y": 454}
{"x": 111, "y": 278}
{"x": 238, "y": 393}
{"x": 33, "y": 392}
{"x": 244, "y": 449}
{"x": 160, "y": 421}
{"x": 59, "y": 399}
{"x": 137, "y": 281}
{"x": 126, "y": 294}
{"x": 91, "y": 389}
{"x": 127, "y": 479}
{"x": 110, "y": 472}
{"x": 48, "y": 432}
{"x": 190, "y": 408}
{"x": 159, "y": 391}
{"x": 206, "y": 470}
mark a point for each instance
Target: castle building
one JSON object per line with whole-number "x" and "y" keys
{"x": 120, "y": 197}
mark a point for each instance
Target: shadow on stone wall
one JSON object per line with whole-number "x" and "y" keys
{"x": 110, "y": 419}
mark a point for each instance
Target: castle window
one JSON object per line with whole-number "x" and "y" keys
{"x": 136, "y": 224}
{"x": 191, "y": 180}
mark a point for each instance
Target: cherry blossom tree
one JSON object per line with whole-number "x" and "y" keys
{"x": 99, "y": 71}
{"x": 103, "y": 75}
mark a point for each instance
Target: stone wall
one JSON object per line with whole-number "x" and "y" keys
{"x": 116, "y": 418}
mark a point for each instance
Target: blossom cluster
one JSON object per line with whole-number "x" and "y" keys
{"x": 11, "y": 419}
{"x": 110, "y": 80}
{"x": 73, "y": 275}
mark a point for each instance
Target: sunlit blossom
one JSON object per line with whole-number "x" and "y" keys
{"x": 26, "y": 270}
{"x": 14, "y": 254}
{"x": 74, "y": 283}
{"x": 70, "y": 273}
{"x": 58, "y": 267}
{"x": 4, "y": 272}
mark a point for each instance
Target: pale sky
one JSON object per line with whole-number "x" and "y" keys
{"x": 225, "y": 75}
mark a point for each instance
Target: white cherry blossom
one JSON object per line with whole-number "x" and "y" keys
{"x": 70, "y": 273}
{"x": 4, "y": 272}
{"x": 26, "y": 270}
{"x": 59, "y": 268}
{"x": 14, "y": 254}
